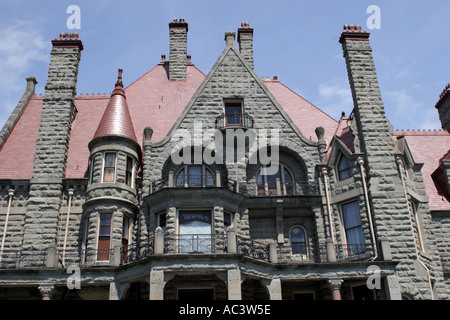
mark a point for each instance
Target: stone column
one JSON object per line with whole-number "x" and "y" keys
{"x": 234, "y": 284}
{"x": 393, "y": 289}
{"x": 335, "y": 287}
{"x": 157, "y": 285}
{"x": 274, "y": 288}
{"x": 46, "y": 291}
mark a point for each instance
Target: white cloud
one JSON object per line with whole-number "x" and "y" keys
{"x": 405, "y": 112}
{"x": 21, "y": 47}
{"x": 335, "y": 97}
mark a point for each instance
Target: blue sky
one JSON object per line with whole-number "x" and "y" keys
{"x": 294, "y": 40}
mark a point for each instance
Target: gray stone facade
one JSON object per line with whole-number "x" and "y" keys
{"x": 54, "y": 223}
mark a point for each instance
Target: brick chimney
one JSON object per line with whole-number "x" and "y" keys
{"x": 178, "y": 49}
{"x": 245, "y": 40}
{"x": 443, "y": 107}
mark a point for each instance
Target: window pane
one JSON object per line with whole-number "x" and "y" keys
{"x": 180, "y": 179}
{"x": 110, "y": 160}
{"x": 108, "y": 175}
{"x": 351, "y": 215}
{"x": 209, "y": 178}
{"x": 233, "y": 114}
{"x": 344, "y": 168}
{"x": 195, "y": 175}
{"x": 298, "y": 241}
{"x": 353, "y": 228}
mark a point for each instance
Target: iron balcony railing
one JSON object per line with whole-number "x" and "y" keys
{"x": 300, "y": 188}
{"x": 186, "y": 244}
{"x": 16, "y": 259}
{"x": 195, "y": 243}
{"x": 253, "y": 249}
{"x": 234, "y": 120}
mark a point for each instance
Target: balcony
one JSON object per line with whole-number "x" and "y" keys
{"x": 234, "y": 120}
{"x": 275, "y": 189}
{"x": 192, "y": 244}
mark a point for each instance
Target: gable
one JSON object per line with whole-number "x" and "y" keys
{"x": 232, "y": 78}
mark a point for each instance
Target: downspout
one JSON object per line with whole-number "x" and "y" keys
{"x": 327, "y": 196}
{"x": 10, "y": 198}
{"x": 360, "y": 161}
{"x": 70, "y": 193}
{"x": 399, "y": 165}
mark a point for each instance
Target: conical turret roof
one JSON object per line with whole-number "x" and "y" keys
{"x": 116, "y": 120}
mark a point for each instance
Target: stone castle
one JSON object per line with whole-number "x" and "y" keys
{"x": 96, "y": 204}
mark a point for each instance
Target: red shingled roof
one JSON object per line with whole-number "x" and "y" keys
{"x": 428, "y": 147}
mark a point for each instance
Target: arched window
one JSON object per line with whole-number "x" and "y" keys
{"x": 266, "y": 181}
{"x": 344, "y": 168}
{"x": 298, "y": 240}
{"x": 194, "y": 176}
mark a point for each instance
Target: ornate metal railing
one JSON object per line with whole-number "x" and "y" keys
{"x": 195, "y": 243}
{"x": 252, "y": 249}
{"x": 15, "y": 259}
{"x": 298, "y": 188}
{"x": 234, "y": 120}
{"x": 137, "y": 252}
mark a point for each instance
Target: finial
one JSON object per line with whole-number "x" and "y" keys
{"x": 119, "y": 82}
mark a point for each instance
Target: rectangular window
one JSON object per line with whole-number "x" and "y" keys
{"x": 162, "y": 220}
{"x": 109, "y": 167}
{"x": 353, "y": 228}
{"x": 125, "y": 236}
{"x": 416, "y": 225}
{"x": 233, "y": 114}
{"x": 104, "y": 236}
{"x": 129, "y": 171}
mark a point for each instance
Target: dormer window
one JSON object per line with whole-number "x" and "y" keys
{"x": 344, "y": 168}
{"x": 233, "y": 114}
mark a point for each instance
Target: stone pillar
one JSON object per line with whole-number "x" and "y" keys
{"x": 393, "y": 289}
{"x": 335, "y": 287}
{"x": 159, "y": 241}
{"x": 279, "y": 221}
{"x": 231, "y": 240}
{"x": 234, "y": 284}
{"x": 245, "y": 40}
{"x": 275, "y": 289}
{"x": 46, "y": 291}
{"x": 157, "y": 285}
{"x": 178, "y": 30}
{"x": 331, "y": 251}
{"x": 52, "y": 144}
